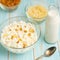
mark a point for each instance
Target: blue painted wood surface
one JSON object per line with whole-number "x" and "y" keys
{"x": 40, "y": 46}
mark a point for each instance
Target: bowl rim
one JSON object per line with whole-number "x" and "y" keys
{"x": 25, "y": 21}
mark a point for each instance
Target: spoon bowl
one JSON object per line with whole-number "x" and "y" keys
{"x": 49, "y": 51}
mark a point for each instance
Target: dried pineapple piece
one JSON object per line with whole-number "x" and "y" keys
{"x": 31, "y": 30}
{"x": 29, "y": 34}
{"x": 25, "y": 31}
{"x": 5, "y": 35}
{"x": 13, "y": 36}
{"x": 20, "y": 28}
{"x": 24, "y": 44}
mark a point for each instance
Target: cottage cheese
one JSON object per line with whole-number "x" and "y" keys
{"x": 19, "y": 34}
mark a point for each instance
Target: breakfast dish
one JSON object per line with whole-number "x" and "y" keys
{"x": 19, "y": 34}
{"x": 36, "y": 12}
{"x": 10, "y": 3}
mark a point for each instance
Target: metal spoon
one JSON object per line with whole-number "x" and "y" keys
{"x": 48, "y": 52}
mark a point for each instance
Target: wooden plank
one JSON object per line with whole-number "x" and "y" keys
{"x": 3, "y": 51}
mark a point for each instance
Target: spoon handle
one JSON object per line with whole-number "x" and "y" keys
{"x": 58, "y": 44}
{"x": 39, "y": 57}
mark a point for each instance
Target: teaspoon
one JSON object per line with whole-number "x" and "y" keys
{"x": 50, "y": 51}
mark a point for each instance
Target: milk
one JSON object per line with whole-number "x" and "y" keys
{"x": 52, "y": 26}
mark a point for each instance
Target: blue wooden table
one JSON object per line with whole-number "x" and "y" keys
{"x": 40, "y": 46}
